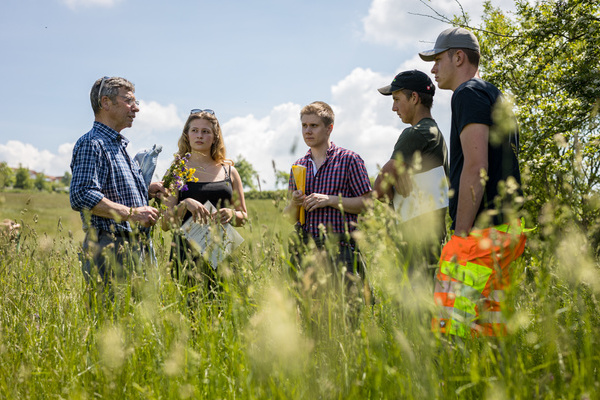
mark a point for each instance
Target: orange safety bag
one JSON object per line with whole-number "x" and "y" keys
{"x": 471, "y": 278}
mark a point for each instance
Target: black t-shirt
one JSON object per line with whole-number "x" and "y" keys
{"x": 426, "y": 138}
{"x": 473, "y": 102}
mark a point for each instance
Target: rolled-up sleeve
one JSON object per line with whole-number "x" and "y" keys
{"x": 86, "y": 189}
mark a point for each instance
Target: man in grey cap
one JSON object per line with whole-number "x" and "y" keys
{"x": 420, "y": 153}
{"x": 474, "y": 270}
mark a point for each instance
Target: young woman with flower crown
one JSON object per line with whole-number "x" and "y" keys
{"x": 207, "y": 176}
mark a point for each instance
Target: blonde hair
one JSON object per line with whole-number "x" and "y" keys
{"x": 320, "y": 109}
{"x": 217, "y": 149}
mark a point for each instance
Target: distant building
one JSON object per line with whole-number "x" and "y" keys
{"x": 33, "y": 175}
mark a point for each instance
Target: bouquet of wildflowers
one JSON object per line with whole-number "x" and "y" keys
{"x": 178, "y": 174}
{"x": 176, "y": 178}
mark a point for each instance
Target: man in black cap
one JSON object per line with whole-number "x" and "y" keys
{"x": 484, "y": 176}
{"x": 415, "y": 176}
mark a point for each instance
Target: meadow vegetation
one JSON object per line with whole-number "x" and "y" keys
{"x": 263, "y": 336}
{"x": 257, "y": 340}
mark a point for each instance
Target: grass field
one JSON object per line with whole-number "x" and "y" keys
{"x": 253, "y": 343}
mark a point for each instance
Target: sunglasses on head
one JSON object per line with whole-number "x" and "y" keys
{"x": 101, "y": 86}
{"x": 198, "y": 111}
{"x": 128, "y": 100}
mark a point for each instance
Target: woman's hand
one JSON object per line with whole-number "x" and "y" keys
{"x": 199, "y": 212}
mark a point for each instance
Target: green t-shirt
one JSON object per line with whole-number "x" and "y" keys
{"x": 425, "y": 138}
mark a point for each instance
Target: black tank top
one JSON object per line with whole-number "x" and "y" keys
{"x": 219, "y": 193}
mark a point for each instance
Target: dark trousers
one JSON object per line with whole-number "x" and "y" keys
{"x": 190, "y": 268}
{"x": 338, "y": 252}
{"x": 423, "y": 237}
{"x": 326, "y": 270}
{"x": 342, "y": 251}
{"x": 108, "y": 256}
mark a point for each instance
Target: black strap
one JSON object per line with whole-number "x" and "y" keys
{"x": 227, "y": 173}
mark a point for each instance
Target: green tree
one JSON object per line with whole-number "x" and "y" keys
{"x": 66, "y": 179}
{"x": 23, "y": 179}
{"x": 7, "y": 176}
{"x": 548, "y": 58}
{"x": 40, "y": 182}
{"x": 281, "y": 178}
{"x": 247, "y": 172}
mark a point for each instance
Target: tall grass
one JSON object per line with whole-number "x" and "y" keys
{"x": 256, "y": 340}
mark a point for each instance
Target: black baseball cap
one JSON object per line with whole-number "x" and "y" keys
{"x": 412, "y": 80}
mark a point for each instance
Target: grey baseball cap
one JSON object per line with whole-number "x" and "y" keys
{"x": 451, "y": 38}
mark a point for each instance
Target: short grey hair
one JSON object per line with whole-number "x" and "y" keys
{"x": 110, "y": 88}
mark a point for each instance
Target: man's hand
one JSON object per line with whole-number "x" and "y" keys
{"x": 156, "y": 189}
{"x": 315, "y": 200}
{"x": 146, "y": 216}
{"x": 393, "y": 173}
{"x": 292, "y": 210}
{"x": 404, "y": 183}
{"x": 298, "y": 198}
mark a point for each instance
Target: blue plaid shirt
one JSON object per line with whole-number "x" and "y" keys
{"x": 343, "y": 173}
{"x": 102, "y": 168}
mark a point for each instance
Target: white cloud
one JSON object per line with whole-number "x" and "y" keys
{"x": 73, "y": 4}
{"x": 266, "y": 140}
{"x": 16, "y": 153}
{"x": 154, "y": 117}
{"x": 409, "y": 24}
{"x": 365, "y": 122}
{"x": 156, "y": 124}
{"x": 388, "y": 22}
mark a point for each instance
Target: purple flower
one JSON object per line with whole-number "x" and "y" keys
{"x": 175, "y": 177}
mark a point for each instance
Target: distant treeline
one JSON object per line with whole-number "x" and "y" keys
{"x": 265, "y": 195}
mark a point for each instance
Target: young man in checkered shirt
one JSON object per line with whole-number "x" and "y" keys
{"x": 337, "y": 190}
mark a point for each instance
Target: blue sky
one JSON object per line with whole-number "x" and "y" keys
{"x": 256, "y": 63}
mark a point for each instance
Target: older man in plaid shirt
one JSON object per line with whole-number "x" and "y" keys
{"x": 337, "y": 189}
{"x": 108, "y": 187}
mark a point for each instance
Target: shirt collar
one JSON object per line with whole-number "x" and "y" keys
{"x": 110, "y": 133}
{"x": 329, "y": 152}
{"x": 331, "y": 149}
